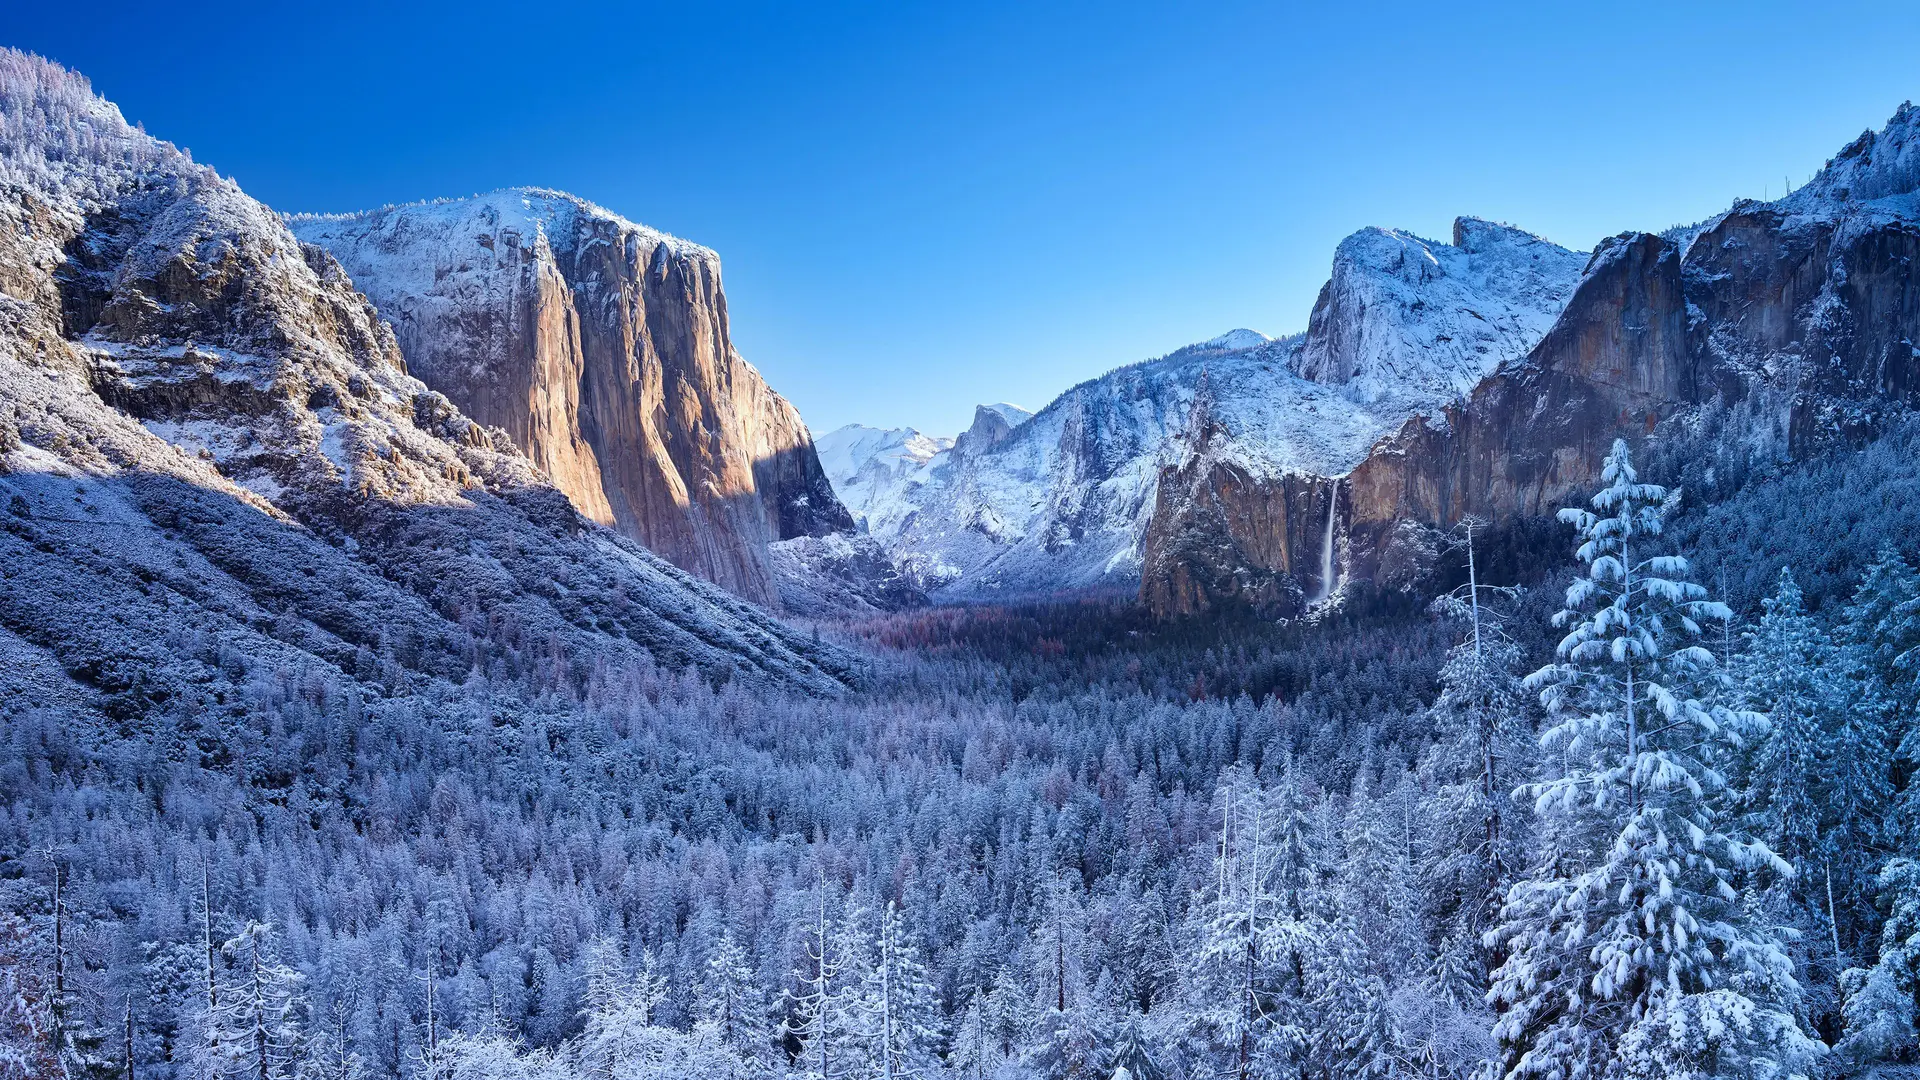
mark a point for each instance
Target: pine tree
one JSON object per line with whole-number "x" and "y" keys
{"x": 1480, "y": 755}
{"x": 1246, "y": 980}
{"x": 27, "y": 1049}
{"x": 1883, "y": 1002}
{"x": 900, "y": 1014}
{"x": 727, "y": 998}
{"x": 258, "y": 1025}
{"x": 976, "y": 1052}
{"x": 1883, "y": 629}
{"x": 1818, "y": 783}
{"x": 1132, "y": 1056}
{"x": 1068, "y": 1030}
{"x": 1628, "y": 943}
{"x": 814, "y": 1021}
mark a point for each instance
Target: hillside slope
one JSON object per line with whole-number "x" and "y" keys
{"x": 212, "y": 460}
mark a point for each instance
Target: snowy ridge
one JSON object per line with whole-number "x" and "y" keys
{"x": 530, "y": 211}
{"x": 1877, "y": 165}
{"x": 58, "y": 137}
{"x": 1062, "y": 500}
{"x": 1407, "y": 318}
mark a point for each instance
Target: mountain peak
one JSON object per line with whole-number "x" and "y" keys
{"x": 1877, "y": 165}
{"x": 1235, "y": 340}
{"x": 1403, "y": 316}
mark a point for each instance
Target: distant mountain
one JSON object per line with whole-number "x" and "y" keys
{"x": 869, "y": 467}
{"x": 214, "y": 461}
{"x": 1404, "y": 318}
{"x": 602, "y": 348}
{"x": 1064, "y": 499}
{"x": 1773, "y": 329}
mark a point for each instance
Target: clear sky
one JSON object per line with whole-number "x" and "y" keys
{"x": 925, "y": 206}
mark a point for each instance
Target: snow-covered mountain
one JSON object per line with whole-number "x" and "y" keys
{"x": 1063, "y": 499}
{"x": 1408, "y": 318}
{"x": 870, "y": 467}
{"x": 1772, "y": 330}
{"x": 603, "y": 348}
{"x": 213, "y": 461}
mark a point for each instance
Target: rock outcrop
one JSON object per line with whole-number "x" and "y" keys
{"x": 1797, "y": 319}
{"x": 603, "y": 349}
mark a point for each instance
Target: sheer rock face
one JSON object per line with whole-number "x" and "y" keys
{"x": 1799, "y": 317}
{"x": 602, "y": 348}
{"x": 209, "y": 440}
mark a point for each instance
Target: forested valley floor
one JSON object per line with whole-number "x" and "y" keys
{"x": 1052, "y": 840}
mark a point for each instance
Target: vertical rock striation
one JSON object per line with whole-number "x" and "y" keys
{"x": 602, "y": 348}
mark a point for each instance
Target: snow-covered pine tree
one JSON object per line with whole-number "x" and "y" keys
{"x": 814, "y": 1021}
{"x": 1883, "y": 1002}
{"x": 609, "y": 1037}
{"x": 1817, "y": 786}
{"x": 1133, "y": 1056}
{"x": 1352, "y": 1032}
{"x": 975, "y": 1052}
{"x": 1627, "y": 949}
{"x": 258, "y": 1023}
{"x": 26, "y": 1047}
{"x": 1477, "y": 833}
{"x": 728, "y": 998}
{"x": 903, "y": 1015}
{"x": 1883, "y": 629}
{"x": 1067, "y": 1034}
{"x": 1246, "y": 991}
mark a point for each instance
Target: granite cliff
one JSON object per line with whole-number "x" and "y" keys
{"x": 1789, "y": 325}
{"x": 603, "y": 349}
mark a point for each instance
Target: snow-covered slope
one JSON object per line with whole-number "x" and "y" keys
{"x": 210, "y": 448}
{"x": 1061, "y": 500}
{"x": 871, "y": 467}
{"x": 1404, "y": 317}
{"x": 1058, "y": 500}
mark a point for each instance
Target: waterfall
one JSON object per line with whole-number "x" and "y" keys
{"x": 1326, "y": 546}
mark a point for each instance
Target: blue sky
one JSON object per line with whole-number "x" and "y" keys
{"x": 921, "y": 207}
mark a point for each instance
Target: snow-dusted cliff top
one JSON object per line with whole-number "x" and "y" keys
{"x": 1877, "y": 165}
{"x": 421, "y": 229}
{"x": 1407, "y": 318}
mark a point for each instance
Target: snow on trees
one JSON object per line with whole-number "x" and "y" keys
{"x": 1628, "y": 949}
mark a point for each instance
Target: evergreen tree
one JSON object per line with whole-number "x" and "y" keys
{"x": 257, "y": 1027}
{"x": 1480, "y": 755}
{"x": 1246, "y": 986}
{"x": 27, "y": 1049}
{"x": 728, "y": 998}
{"x": 1627, "y": 946}
{"x": 1818, "y": 783}
{"x": 814, "y": 1021}
{"x": 902, "y": 1015}
{"x": 1883, "y": 628}
{"x": 1883, "y": 1002}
